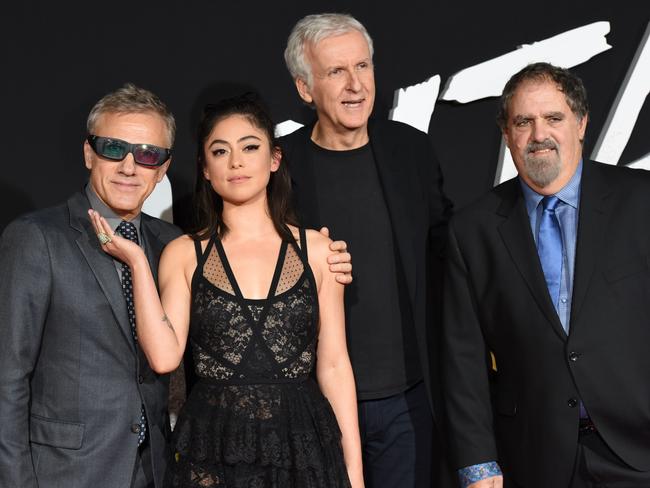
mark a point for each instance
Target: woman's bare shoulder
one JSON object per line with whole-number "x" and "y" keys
{"x": 181, "y": 248}
{"x": 316, "y": 241}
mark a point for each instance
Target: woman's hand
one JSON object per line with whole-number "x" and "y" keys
{"x": 114, "y": 244}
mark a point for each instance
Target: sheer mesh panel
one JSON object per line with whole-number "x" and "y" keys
{"x": 214, "y": 272}
{"x": 292, "y": 270}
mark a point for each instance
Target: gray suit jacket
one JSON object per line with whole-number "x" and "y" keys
{"x": 71, "y": 378}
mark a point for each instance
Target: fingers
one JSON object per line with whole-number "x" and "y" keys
{"x": 340, "y": 268}
{"x": 325, "y": 231}
{"x": 98, "y": 221}
{"x": 93, "y": 220}
{"x": 344, "y": 279}
{"x": 339, "y": 257}
{"x": 491, "y": 482}
{"x": 104, "y": 223}
{"x": 340, "y": 263}
{"x": 338, "y": 246}
{"x": 342, "y": 272}
{"x": 101, "y": 226}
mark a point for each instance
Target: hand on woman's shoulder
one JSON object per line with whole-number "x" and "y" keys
{"x": 318, "y": 244}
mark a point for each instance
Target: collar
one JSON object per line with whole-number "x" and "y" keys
{"x": 107, "y": 212}
{"x": 568, "y": 194}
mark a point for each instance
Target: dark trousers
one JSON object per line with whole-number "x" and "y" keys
{"x": 399, "y": 441}
{"x": 598, "y": 467}
{"x": 142, "y": 469}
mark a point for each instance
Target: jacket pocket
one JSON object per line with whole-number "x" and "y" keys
{"x": 56, "y": 433}
{"x": 628, "y": 268}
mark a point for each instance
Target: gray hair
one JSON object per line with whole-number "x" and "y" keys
{"x": 567, "y": 82}
{"x": 311, "y": 30}
{"x": 131, "y": 99}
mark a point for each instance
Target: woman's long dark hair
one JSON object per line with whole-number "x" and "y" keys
{"x": 208, "y": 205}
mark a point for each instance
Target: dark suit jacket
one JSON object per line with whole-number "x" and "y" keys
{"x": 412, "y": 182}
{"x": 71, "y": 380}
{"x": 496, "y": 300}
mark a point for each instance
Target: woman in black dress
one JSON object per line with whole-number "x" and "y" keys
{"x": 253, "y": 293}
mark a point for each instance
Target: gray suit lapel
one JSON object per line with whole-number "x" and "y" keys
{"x": 100, "y": 263}
{"x": 518, "y": 239}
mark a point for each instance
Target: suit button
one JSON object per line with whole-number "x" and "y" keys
{"x": 135, "y": 428}
{"x": 573, "y": 356}
{"x": 140, "y": 379}
{"x": 572, "y": 403}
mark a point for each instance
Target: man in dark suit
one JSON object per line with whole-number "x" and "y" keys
{"x": 550, "y": 273}
{"x": 379, "y": 185}
{"x": 79, "y": 405}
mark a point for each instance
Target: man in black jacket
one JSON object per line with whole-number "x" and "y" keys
{"x": 550, "y": 272}
{"x": 378, "y": 185}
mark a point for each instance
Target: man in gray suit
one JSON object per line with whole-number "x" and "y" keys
{"x": 79, "y": 405}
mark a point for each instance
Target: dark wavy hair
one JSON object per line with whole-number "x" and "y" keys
{"x": 567, "y": 82}
{"x": 208, "y": 205}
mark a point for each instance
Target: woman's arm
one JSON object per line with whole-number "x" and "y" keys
{"x": 162, "y": 321}
{"x": 333, "y": 368}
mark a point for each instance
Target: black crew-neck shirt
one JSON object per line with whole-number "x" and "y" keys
{"x": 379, "y": 324}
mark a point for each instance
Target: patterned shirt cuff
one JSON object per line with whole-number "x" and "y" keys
{"x": 478, "y": 472}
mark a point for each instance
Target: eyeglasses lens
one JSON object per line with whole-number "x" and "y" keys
{"x": 113, "y": 150}
{"x": 147, "y": 155}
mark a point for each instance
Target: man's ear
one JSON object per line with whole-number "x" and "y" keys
{"x": 88, "y": 155}
{"x": 304, "y": 90}
{"x": 506, "y": 137}
{"x": 582, "y": 127}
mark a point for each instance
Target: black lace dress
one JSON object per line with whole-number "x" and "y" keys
{"x": 256, "y": 417}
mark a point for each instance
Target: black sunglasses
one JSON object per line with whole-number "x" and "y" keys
{"x": 117, "y": 149}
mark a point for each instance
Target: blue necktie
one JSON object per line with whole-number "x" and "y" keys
{"x": 549, "y": 248}
{"x": 128, "y": 231}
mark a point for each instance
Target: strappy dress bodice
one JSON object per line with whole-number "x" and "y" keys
{"x": 236, "y": 340}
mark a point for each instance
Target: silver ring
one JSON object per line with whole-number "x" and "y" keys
{"x": 104, "y": 238}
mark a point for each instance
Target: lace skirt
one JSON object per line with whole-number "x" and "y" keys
{"x": 254, "y": 436}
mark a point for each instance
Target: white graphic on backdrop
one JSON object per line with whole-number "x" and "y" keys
{"x": 287, "y": 127}
{"x": 159, "y": 203}
{"x": 625, "y": 110}
{"x": 487, "y": 79}
{"x": 414, "y": 105}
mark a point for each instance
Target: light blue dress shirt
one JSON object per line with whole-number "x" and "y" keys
{"x": 567, "y": 215}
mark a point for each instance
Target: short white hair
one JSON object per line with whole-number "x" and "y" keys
{"x": 311, "y": 30}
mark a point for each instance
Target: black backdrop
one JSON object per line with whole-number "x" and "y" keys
{"x": 58, "y": 58}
